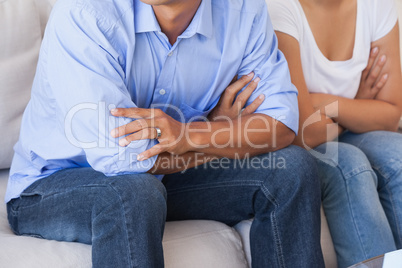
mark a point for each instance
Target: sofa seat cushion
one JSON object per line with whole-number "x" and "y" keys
{"x": 186, "y": 244}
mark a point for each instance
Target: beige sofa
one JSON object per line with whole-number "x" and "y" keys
{"x": 187, "y": 244}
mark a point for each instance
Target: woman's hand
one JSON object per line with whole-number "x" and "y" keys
{"x": 229, "y": 107}
{"x": 171, "y": 140}
{"x": 372, "y": 80}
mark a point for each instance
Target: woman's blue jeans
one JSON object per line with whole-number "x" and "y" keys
{"x": 361, "y": 181}
{"x": 123, "y": 217}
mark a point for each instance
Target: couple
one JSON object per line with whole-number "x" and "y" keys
{"x": 98, "y": 179}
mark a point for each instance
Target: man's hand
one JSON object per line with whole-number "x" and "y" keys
{"x": 371, "y": 82}
{"x": 172, "y": 139}
{"x": 229, "y": 107}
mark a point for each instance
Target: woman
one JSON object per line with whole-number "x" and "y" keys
{"x": 344, "y": 59}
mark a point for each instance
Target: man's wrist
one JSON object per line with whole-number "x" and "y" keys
{"x": 196, "y": 134}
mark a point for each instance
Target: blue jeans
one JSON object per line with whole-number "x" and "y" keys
{"x": 283, "y": 199}
{"x": 123, "y": 217}
{"x": 361, "y": 181}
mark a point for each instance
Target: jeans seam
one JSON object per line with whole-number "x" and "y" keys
{"x": 391, "y": 197}
{"x": 215, "y": 185}
{"x": 346, "y": 180}
{"x": 274, "y": 225}
{"x": 354, "y": 217}
{"x": 356, "y": 171}
{"x": 13, "y": 211}
{"x": 14, "y": 217}
{"x": 278, "y": 243}
{"x": 385, "y": 176}
{"x": 125, "y": 221}
{"x": 387, "y": 179}
{"x": 361, "y": 141}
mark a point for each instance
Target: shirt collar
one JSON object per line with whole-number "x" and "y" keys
{"x": 145, "y": 20}
{"x": 204, "y": 23}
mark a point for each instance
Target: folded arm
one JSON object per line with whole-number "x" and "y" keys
{"x": 271, "y": 127}
{"x": 383, "y": 112}
{"x": 244, "y": 136}
{"x": 206, "y": 146}
{"x": 314, "y": 127}
{"x": 319, "y": 112}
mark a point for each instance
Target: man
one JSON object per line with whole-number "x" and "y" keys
{"x": 148, "y": 72}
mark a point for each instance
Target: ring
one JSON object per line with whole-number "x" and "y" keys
{"x": 158, "y": 133}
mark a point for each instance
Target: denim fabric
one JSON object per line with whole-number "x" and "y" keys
{"x": 361, "y": 181}
{"x": 123, "y": 217}
{"x": 283, "y": 199}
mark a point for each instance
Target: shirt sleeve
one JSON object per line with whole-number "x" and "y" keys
{"x": 267, "y": 62}
{"x": 385, "y": 18}
{"x": 86, "y": 73}
{"x": 284, "y": 17}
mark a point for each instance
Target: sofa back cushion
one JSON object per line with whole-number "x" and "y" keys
{"x": 21, "y": 28}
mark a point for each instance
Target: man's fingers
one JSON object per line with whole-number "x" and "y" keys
{"x": 232, "y": 90}
{"x": 157, "y": 149}
{"x": 233, "y": 80}
{"x": 253, "y": 106}
{"x": 221, "y": 98}
{"x": 243, "y": 97}
{"x": 134, "y": 126}
{"x": 375, "y": 71}
{"x": 372, "y": 58}
{"x": 146, "y": 133}
{"x": 135, "y": 112}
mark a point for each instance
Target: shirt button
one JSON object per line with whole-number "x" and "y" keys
{"x": 162, "y": 91}
{"x": 170, "y": 54}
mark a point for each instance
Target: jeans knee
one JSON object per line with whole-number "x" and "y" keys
{"x": 384, "y": 149}
{"x": 343, "y": 160}
{"x": 142, "y": 192}
{"x": 300, "y": 172}
{"x": 299, "y": 162}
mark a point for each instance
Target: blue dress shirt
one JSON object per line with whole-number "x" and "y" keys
{"x": 101, "y": 54}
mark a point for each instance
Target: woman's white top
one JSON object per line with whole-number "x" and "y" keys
{"x": 375, "y": 19}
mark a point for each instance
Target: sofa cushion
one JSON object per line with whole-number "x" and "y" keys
{"x": 199, "y": 244}
{"x": 186, "y": 244}
{"x": 20, "y": 40}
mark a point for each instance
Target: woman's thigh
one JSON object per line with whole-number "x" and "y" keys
{"x": 382, "y": 148}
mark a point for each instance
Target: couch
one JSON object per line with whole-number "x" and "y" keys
{"x": 186, "y": 243}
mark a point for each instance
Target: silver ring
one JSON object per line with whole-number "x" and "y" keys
{"x": 158, "y": 132}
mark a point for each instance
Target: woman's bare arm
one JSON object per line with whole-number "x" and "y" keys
{"x": 384, "y": 111}
{"x": 314, "y": 127}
